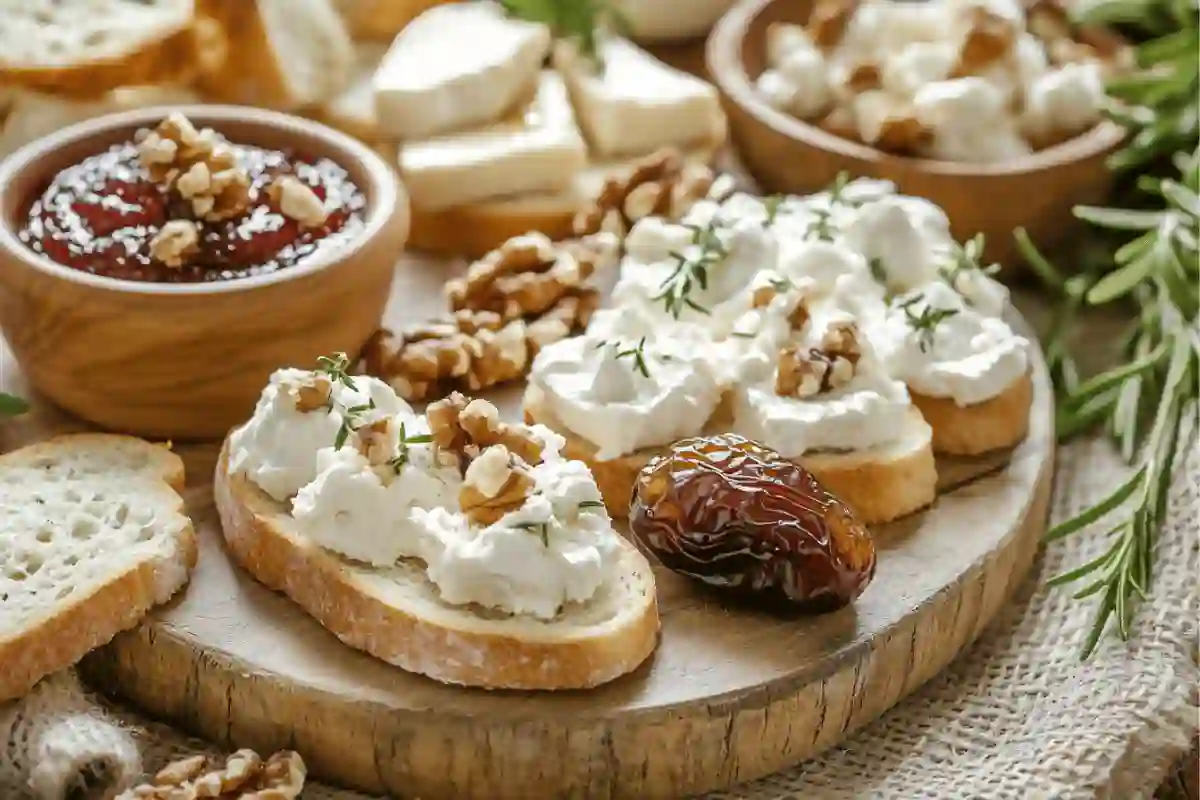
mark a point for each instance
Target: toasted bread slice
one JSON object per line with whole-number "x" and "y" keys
{"x": 396, "y": 615}
{"x": 381, "y": 20}
{"x": 34, "y": 115}
{"x": 93, "y": 537}
{"x": 971, "y": 430}
{"x": 474, "y": 230}
{"x": 880, "y": 484}
{"x": 85, "y": 48}
{"x": 282, "y": 54}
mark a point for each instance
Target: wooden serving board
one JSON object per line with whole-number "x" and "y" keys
{"x": 729, "y": 696}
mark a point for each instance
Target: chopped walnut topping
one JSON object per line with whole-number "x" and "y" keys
{"x": 990, "y": 39}
{"x": 763, "y": 297}
{"x": 864, "y": 77}
{"x": 315, "y": 393}
{"x": 663, "y": 184}
{"x": 198, "y": 164}
{"x": 244, "y": 775}
{"x": 904, "y": 135}
{"x": 495, "y": 484}
{"x": 465, "y": 428}
{"x": 1048, "y": 20}
{"x": 827, "y": 23}
{"x": 297, "y": 200}
{"x": 175, "y": 243}
{"x": 808, "y": 372}
{"x": 376, "y": 441}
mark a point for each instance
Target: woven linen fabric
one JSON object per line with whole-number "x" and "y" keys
{"x": 1017, "y": 715}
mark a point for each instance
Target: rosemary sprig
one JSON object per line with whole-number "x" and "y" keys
{"x": 638, "y": 354}
{"x": 964, "y": 259}
{"x": 542, "y": 529}
{"x": 925, "y": 321}
{"x": 336, "y": 368}
{"x": 351, "y": 419}
{"x": 588, "y": 505}
{"x": 692, "y": 271}
{"x": 1146, "y": 403}
{"x": 579, "y": 20}
{"x": 404, "y": 442}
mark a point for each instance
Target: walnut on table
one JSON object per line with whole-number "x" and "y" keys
{"x": 199, "y": 164}
{"x": 806, "y": 372}
{"x": 663, "y": 184}
{"x": 243, "y": 776}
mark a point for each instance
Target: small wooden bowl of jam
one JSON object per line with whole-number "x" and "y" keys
{"x": 108, "y": 330}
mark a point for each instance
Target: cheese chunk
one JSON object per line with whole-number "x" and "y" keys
{"x": 541, "y": 150}
{"x": 638, "y": 104}
{"x": 457, "y": 66}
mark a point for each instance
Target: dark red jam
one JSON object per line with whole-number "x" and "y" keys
{"x": 99, "y": 216}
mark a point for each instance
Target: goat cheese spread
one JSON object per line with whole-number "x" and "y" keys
{"x": 958, "y": 80}
{"x": 966, "y": 356}
{"x": 365, "y": 480}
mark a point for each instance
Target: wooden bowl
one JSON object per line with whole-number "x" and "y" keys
{"x": 188, "y": 361}
{"x": 787, "y": 155}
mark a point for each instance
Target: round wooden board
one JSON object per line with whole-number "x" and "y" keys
{"x": 729, "y": 695}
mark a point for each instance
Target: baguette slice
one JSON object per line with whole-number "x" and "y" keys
{"x": 880, "y": 484}
{"x": 283, "y": 54}
{"x": 352, "y": 110}
{"x": 381, "y": 20}
{"x": 93, "y": 536}
{"x": 994, "y": 424}
{"x": 85, "y": 48}
{"x": 473, "y": 231}
{"x": 396, "y": 615}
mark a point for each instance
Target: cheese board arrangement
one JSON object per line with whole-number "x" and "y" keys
{"x": 501, "y": 444}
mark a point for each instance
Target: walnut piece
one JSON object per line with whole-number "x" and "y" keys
{"x": 990, "y": 38}
{"x": 175, "y": 243}
{"x": 198, "y": 164}
{"x": 663, "y": 184}
{"x": 495, "y": 484}
{"x": 827, "y": 23}
{"x": 297, "y": 200}
{"x": 465, "y": 428}
{"x": 244, "y": 775}
{"x": 807, "y": 372}
{"x": 864, "y": 77}
{"x": 313, "y": 394}
{"x": 904, "y": 135}
{"x": 376, "y": 441}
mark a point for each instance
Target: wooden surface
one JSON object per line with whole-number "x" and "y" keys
{"x": 172, "y": 361}
{"x": 729, "y": 696}
{"x": 788, "y": 155}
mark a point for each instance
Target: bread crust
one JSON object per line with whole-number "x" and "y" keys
{"x": 90, "y": 621}
{"x": 994, "y": 424}
{"x": 320, "y": 583}
{"x": 878, "y": 490}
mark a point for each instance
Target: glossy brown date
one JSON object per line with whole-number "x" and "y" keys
{"x": 741, "y": 518}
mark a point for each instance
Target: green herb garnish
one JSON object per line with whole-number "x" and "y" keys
{"x": 638, "y": 354}
{"x": 772, "y": 205}
{"x": 692, "y": 272}
{"x": 590, "y": 504}
{"x": 926, "y": 321}
{"x": 402, "y": 445}
{"x": 336, "y": 368}
{"x": 878, "y": 271}
{"x": 11, "y": 405}
{"x": 577, "y": 20}
{"x": 742, "y": 335}
{"x": 351, "y": 419}
{"x": 542, "y": 529}
{"x": 966, "y": 258}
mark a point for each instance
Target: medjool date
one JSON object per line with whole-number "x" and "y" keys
{"x": 741, "y": 518}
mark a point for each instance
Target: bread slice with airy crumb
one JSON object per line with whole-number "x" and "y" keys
{"x": 880, "y": 484}
{"x": 396, "y": 615}
{"x": 282, "y": 54}
{"x": 84, "y": 48}
{"x": 994, "y": 424}
{"x": 93, "y": 535}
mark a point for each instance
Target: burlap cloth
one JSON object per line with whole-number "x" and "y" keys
{"x": 1017, "y": 715}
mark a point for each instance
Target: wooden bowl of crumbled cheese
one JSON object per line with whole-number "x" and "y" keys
{"x": 989, "y": 108}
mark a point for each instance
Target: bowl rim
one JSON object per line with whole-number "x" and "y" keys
{"x": 722, "y": 56}
{"x": 383, "y": 189}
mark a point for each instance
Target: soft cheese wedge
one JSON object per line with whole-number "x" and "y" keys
{"x": 539, "y": 150}
{"x": 457, "y": 66}
{"x": 637, "y": 104}
{"x": 353, "y": 110}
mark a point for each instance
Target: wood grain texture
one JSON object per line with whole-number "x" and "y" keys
{"x": 730, "y": 695}
{"x": 188, "y": 360}
{"x": 788, "y": 155}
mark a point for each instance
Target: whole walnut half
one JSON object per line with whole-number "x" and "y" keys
{"x": 744, "y": 520}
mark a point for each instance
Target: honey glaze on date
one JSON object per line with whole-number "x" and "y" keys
{"x": 100, "y": 215}
{"x": 744, "y": 520}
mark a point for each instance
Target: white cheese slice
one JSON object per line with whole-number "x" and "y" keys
{"x": 638, "y": 104}
{"x": 457, "y": 66}
{"x": 541, "y": 150}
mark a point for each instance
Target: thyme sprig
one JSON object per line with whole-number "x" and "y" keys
{"x": 692, "y": 271}
{"x": 588, "y": 505}
{"x": 351, "y": 420}
{"x": 966, "y": 259}
{"x": 925, "y": 321}
{"x": 578, "y": 20}
{"x": 336, "y": 368}
{"x": 1148, "y": 402}
{"x": 638, "y": 354}
{"x": 542, "y": 529}
{"x": 403, "y": 443}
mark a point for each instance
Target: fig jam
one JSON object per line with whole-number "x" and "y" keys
{"x": 100, "y": 216}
